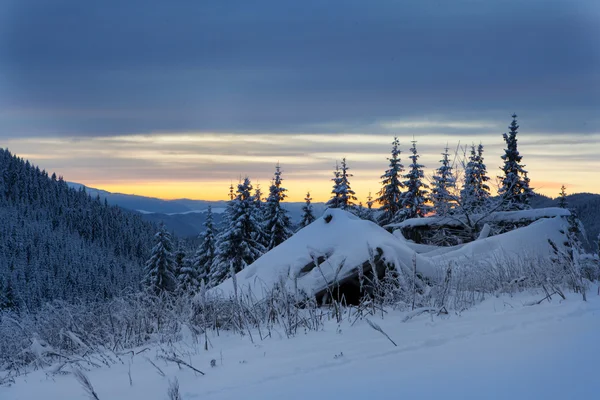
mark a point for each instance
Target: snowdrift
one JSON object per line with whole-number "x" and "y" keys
{"x": 329, "y": 251}
{"x": 527, "y": 243}
{"x": 495, "y": 217}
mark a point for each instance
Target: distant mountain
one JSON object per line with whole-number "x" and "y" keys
{"x": 184, "y": 217}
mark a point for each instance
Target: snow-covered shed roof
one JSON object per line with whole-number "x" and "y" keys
{"x": 343, "y": 241}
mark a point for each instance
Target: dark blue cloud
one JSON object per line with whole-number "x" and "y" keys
{"x": 102, "y": 68}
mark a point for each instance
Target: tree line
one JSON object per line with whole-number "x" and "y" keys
{"x": 252, "y": 225}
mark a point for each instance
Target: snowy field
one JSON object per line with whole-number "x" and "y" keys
{"x": 500, "y": 349}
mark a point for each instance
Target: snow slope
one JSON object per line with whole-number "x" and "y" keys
{"x": 530, "y": 242}
{"x": 498, "y": 350}
{"x": 344, "y": 242}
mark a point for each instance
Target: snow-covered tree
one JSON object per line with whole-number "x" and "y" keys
{"x": 236, "y": 245}
{"x": 188, "y": 280}
{"x": 334, "y": 201}
{"x": 160, "y": 268}
{"x": 258, "y": 198}
{"x": 342, "y": 194}
{"x": 475, "y": 192}
{"x": 562, "y": 200}
{"x": 368, "y": 212}
{"x": 278, "y": 224}
{"x": 307, "y": 212}
{"x": 514, "y": 189}
{"x": 444, "y": 186}
{"x": 415, "y": 199}
{"x": 205, "y": 255}
{"x": 390, "y": 195}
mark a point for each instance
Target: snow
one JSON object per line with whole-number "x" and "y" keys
{"x": 500, "y": 349}
{"x": 498, "y": 216}
{"x": 530, "y": 242}
{"x": 345, "y": 242}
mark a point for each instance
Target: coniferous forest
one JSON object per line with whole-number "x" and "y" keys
{"x": 57, "y": 243}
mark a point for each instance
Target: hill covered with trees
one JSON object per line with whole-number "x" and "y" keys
{"x": 57, "y": 242}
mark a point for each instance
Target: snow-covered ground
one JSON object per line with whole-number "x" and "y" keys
{"x": 500, "y": 349}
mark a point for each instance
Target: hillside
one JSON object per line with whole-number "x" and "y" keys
{"x": 587, "y": 208}
{"x": 57, "y": 242}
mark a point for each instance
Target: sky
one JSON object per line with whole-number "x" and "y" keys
{"x": 179, "y": 99}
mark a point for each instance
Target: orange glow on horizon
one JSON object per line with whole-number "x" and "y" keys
{"x": 320, "y": 190}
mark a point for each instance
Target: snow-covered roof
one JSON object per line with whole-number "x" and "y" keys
{"x": 344, "y": 242}
{"x": 498, "y": 216}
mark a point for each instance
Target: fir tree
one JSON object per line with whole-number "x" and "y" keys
{"x": 307, "y": 212}
{"x": 390, "y": 195}
{"x": 562, "y": 200}
{"x": 347, "y": 196}
{"x": 444, "y": 185}
{"x": 187, "y": 274}
{"x": 278, "y": 224}
{"x": 414, "y": 200}
{"x": 237, "y": 247}
{"x": 160, "y": 268}
{"x": 260, "y": 211}
{"x": 334, "y": 201}
{"x": 258, "y": 200}
{"x": 205, "y": 254}
{"x": 475, "y": 192}
{"x": 515, "y": 190}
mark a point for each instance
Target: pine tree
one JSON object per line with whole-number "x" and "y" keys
{"x": 347, "y": 196}
{"x": 187, "y": 274}
{"x": 237, "y": 247}
{"x": 475, "y": 192}
{"x": 414, "y": 200}
{"x": 515, "y": 190}
{"x": 444, "y": 185}
{"x": 278, "y": 224}
{"x": 390, "y": 195}
{"x": 307, "y": 212}
{"x": 260, "y": 211}
{"x": 258, "y": 200}
{"x": 368, "y": 212}
{"x": 562, "y": 200}
{"x": 160, "y": 268}
{"x": 205, "y": 254}
{"x": 334, "y": 201}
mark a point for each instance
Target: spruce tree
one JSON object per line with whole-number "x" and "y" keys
{"x": 368, "y": 213}
{"x": 187, "y": 274}
{"x": 475, "y": 192}
{"x": 444, "y": 185}
{"x": 278, "y": 224}
{"x": 390, "y": 195}
{"x": 236, "y": 246}
{"x": 334, "y": 201}
{"x": 562, "y": 200}
{"x": 415, "y": 199}
{"x": 514, "y": 189}
{"x": 160, "y": 268}
{"x": 347, "y": 196}
{"x": 307, "y": 212}
{"x": 205, "y": 254}
{"x": 260, "y": 211}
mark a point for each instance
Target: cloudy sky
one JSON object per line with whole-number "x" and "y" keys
{"x": 178, "y": 99}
